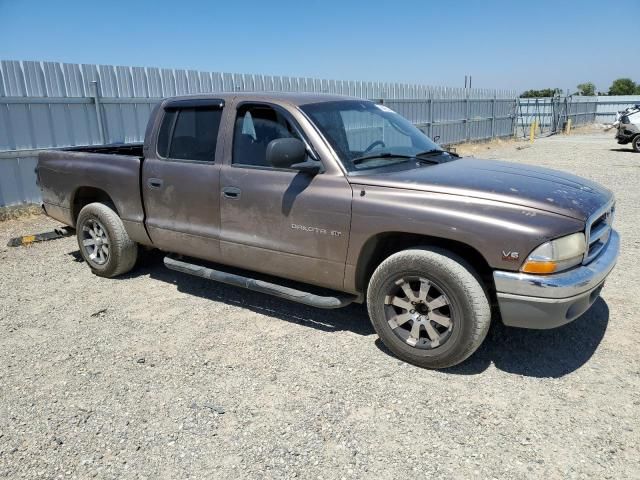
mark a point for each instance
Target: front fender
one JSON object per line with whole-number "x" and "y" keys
{"x": 503, "y": 233}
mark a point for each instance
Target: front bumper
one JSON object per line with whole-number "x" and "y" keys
{"x": 548, "y": 301}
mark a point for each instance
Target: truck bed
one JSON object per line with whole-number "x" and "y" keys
{"x": 71, "y": 177}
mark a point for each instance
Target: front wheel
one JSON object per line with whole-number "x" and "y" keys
{"x": 636, "y": 143}
{"x": 428, "y": 307}
{"x": 104, "y": 242}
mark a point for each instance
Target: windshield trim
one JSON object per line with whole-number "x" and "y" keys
{"x": 361, "y": 159}
{"x": 406, "y": 164}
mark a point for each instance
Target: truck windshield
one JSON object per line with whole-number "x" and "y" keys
{"x": 366, "y": 135}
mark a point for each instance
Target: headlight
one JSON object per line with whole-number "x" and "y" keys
{"x": 556, "y": 255}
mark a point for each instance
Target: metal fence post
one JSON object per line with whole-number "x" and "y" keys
{"x": 516, "y": 114}
{"x": 493, "y": 114}
{"x": 96, "y": 101}
{"x": 430, "y": 114}
{"x": 466, "y": 116}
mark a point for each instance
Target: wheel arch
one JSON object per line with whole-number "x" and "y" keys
{"x": 85, "y": 195}
{"x": 381, "y": 246}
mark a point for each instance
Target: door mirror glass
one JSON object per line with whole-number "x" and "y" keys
{"x": 286, "y": 152}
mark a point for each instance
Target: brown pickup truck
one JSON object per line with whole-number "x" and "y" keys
{"x": 328, "y": 200}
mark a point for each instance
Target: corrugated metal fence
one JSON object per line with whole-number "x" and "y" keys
{"x": 50, "y": 105}
{"x": 552, "y": 114}
{"x": 608, "y": 106}
{"x": 455, "y": 120}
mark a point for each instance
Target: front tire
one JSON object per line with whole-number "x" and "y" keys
{"x": 428, "y": 307}
{"x": 636, "y": 143}
{"x": 104, "y": 242}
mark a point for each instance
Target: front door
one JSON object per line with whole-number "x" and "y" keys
{"x": 180, "y": 180}
{"x": 280, "y": 221}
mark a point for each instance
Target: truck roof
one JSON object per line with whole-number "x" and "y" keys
{"x": 295, "y": 98}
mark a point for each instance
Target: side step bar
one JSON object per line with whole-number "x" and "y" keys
{"x": 261, "y": 286}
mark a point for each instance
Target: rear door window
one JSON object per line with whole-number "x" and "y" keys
{"x": 190, "y": 134}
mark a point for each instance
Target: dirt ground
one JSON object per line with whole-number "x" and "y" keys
{"x": 161, "y": 375}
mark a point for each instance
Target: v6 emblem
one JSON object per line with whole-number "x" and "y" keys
{"x": 510, "y": 256}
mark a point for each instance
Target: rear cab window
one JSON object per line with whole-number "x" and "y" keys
{"x": 190, "y": 133}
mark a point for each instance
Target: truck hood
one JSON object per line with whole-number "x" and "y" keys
{"x": 528, "y": 186}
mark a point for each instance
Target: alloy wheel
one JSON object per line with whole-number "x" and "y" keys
{"x": 419, "y": 312}
{"x": 95, "y": 241}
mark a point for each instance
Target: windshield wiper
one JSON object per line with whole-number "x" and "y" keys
{"x": 436, "y": 151}
{"x": 358, "y": 160}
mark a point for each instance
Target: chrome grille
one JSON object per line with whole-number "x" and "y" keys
{"x": 598, "y": 231}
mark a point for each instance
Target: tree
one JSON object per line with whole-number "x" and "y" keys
{"x": 587, "y": 89}
{"x": 623, "y": 86}
{"x": 545, "y": 92}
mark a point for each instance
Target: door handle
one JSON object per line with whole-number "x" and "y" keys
{"x": 231, "y": 192}
{"x": 155, "y": 183}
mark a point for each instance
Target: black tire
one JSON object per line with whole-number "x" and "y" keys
{"x": 448, "y": 276}
{"x": 636, "y": 143}
{"x": 121, "y": 252}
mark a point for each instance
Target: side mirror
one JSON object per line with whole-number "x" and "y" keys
{"x": 286, "y": 152}
{"x": 436, "y": 138}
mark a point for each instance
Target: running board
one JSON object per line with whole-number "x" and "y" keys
{"x": 261, "y": 286}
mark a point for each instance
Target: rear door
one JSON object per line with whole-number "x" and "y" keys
{"x": 180, "y": 179}
{"x": 280, "y": 221}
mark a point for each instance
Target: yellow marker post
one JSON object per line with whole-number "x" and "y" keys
{"x": 567, "y": 129}
{"x": 532, "y": 131}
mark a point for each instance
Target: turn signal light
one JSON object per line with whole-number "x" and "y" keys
{"x": 539, "y": 267}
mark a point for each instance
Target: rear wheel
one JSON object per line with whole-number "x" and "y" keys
{"x": 636, "y": 143}
{"x": 428, "y": 307}
{"x": 104, "y": 242}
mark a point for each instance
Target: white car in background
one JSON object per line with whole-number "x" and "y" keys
{"x": 627, "y": 125}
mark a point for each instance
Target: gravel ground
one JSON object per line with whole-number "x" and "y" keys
{"x": 161, "y": 375}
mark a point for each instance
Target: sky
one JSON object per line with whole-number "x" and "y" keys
{"x": 501, "y": 44}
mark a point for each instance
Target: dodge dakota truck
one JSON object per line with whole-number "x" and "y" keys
{"x": 328, "y": 200}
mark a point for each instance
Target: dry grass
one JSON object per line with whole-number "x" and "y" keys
{"x": 475, "y": 148}
{"x": 19, "y": 211}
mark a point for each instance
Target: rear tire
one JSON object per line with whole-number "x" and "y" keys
{"x": 636, "y": 143}
{"x": 103, "y": 241}
{"x": 429, "y": 307}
